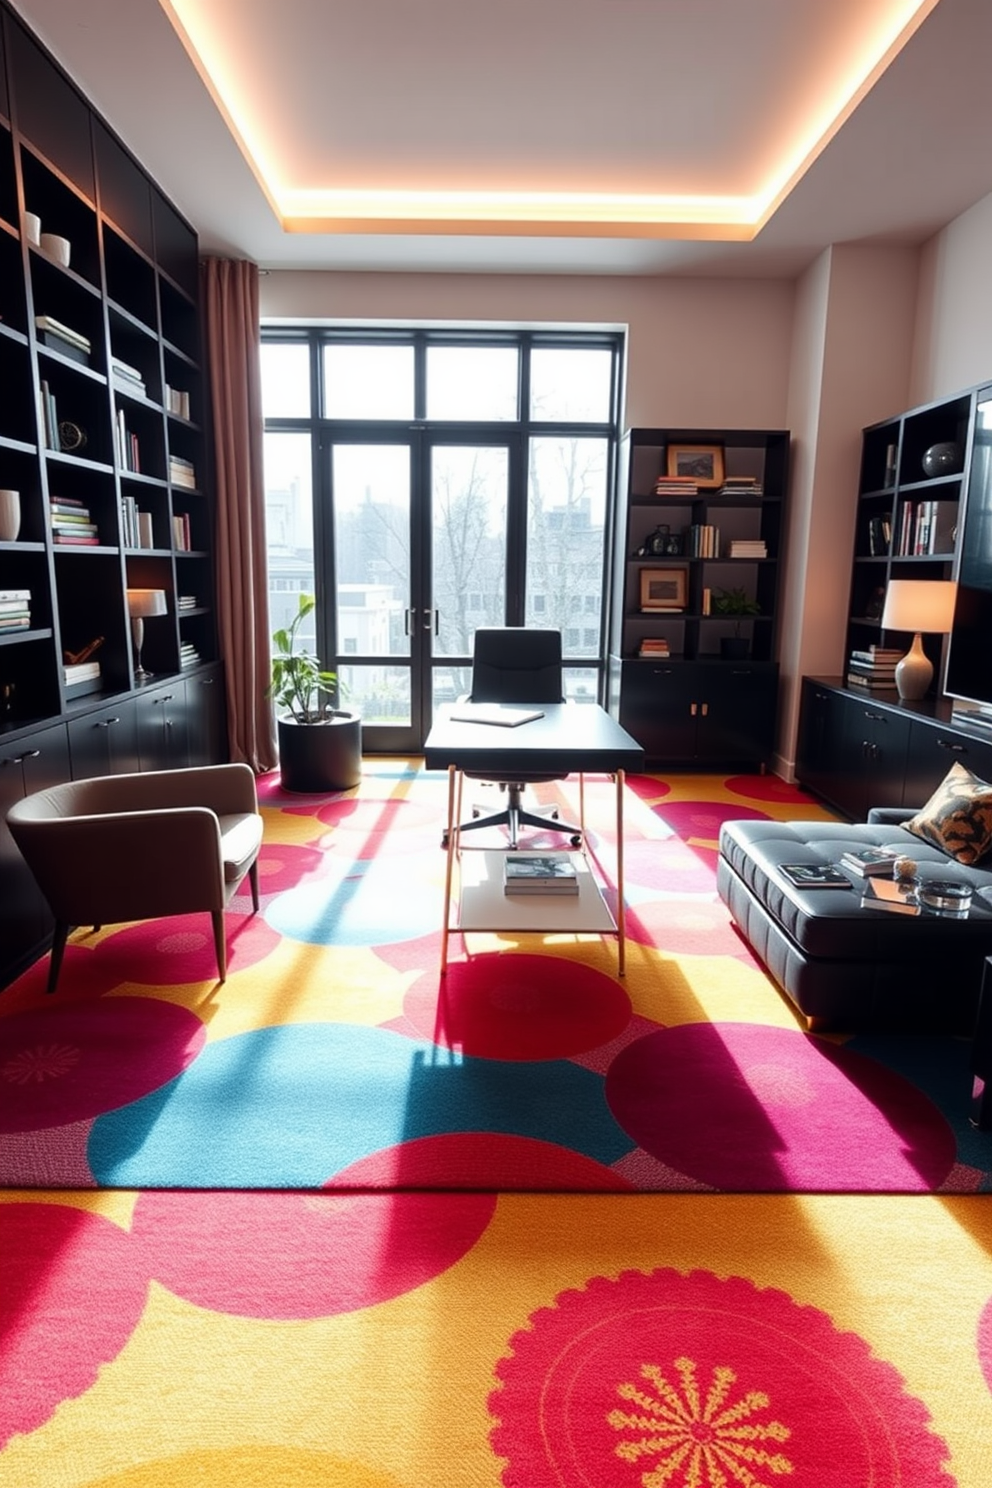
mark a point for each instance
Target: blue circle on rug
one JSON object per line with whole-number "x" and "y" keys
{"x": 289, "y": 1106}
{"x": 363, "y": 902}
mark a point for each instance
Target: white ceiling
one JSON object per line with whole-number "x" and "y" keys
{"x": 565, "y": 101}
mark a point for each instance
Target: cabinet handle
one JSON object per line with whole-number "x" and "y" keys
{"x": 661, "y": 671}
{"x": 875, "y": 717}
{"x": 29, "y": 754}
{"x": 952, "y": 746}
{"x": 692, "y": 709}
{"x": 706, "y": 709}
{"x": 106, "y": 722}
{"x": 159, "y": 701}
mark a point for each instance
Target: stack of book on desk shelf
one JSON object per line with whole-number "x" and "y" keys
{"x": 875, "y": 667}
{"x": 654, "y": 646}
{"x": 747, "y": 547}
{"x": 62, "y": 338}
{"x": 868, "y": 862}
{"x": 81, "y": 678}
{"x": 539, "y": 873}
{"x": 15, "y": 610}
{"x": 71, "y": 522}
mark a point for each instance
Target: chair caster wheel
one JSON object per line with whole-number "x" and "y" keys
{"x": 576, "y": 840}
{"x": 444, "y": 841}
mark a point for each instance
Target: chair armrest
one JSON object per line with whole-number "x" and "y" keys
{"x": 891, "y": 816}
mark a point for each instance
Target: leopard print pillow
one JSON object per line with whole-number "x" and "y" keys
{"x": 958, "y": 816}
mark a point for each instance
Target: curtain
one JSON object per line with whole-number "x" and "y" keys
{"x": 231, "y": 313}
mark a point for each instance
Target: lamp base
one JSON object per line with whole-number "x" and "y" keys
{"x": 914, "y": 673}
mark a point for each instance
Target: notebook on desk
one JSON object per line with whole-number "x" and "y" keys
{"x": 495, "y": 713}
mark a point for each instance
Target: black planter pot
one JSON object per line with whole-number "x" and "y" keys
{"x": 317, "y": 757}
{"x": 734, "y": 648}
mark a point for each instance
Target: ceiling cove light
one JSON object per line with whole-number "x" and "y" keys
{"x": 530, "y": 213}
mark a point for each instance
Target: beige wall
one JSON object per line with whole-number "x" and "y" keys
{"x": 865, "y": 333}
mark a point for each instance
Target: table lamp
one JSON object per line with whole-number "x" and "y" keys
{"x": 918, "y": 605}
{"x": 142, "y": 603}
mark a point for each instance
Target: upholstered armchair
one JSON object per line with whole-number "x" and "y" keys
{"x": 136, "y": 847}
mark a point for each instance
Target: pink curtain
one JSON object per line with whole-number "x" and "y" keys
{"x": 230, "y": 300}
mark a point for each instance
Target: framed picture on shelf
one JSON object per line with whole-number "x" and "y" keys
{"x": 702, "y": 462}
{"x": 663, "y": 588}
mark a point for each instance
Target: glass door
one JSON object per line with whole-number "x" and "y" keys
{"x": 419, "y": 556}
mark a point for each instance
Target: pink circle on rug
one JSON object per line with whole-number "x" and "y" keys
{"x": 482, "y": 1160}
{"x": 700, "y": 926}
{"x": 70, "y": 1296}
{"x": 302, "y": 1255}
{"x": 362, "y": 825}
{"x": 744, "y": 1107}
{"x": 646, "y": 787}
{"x": 518, "y": 1007}
{"x": 769, "y": 788}
{"x": 682, "y": 1380}
{"x": 67, "y": 1062}
{"x": 985, "y": 1342}
{"x": 283, "y": 865}
{"x": 667, "y": 866}
{"x": 180, "y": 949}
{"x": 701, "y": 820}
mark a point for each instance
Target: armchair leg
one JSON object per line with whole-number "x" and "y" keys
{"x": 253, "y": 881}
{"x": 58, "y": 951}
{"x": 220, "y": 943}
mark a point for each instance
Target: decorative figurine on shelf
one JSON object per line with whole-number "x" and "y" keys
{"x": 74, "y": 658}
{"x": 662, "y": 543}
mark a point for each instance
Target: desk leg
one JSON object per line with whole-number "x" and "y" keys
{"x": 454, "y": 796}
{"x": 621, "y": 916}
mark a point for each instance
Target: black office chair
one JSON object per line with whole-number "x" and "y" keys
{"x": 514, "y": 665}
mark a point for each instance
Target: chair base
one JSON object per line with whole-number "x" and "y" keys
{"x": 514, "y": 816}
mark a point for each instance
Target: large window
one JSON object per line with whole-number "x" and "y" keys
{"x": 426, "y": 483}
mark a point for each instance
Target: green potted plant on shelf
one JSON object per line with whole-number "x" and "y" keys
{"x": 735, "y": 603}
{"x": 320, "y": 744}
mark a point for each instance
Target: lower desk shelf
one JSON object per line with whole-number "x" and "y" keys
{"x": 483, "y": 905}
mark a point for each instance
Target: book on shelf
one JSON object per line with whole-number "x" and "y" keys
{"x": 67, "y": 505}
{"x": 181, "y": 532}
{"x": 871, "y": 684}
{"x": 890, "y": 894}
{"x": 146, "y": 532}
{"x": 79, "y": 671}
{"x": 653, "y": 647}
{"x": 878, "y": 654}
{"x": 57, "y": 328}
{"x": 746, "y": 548}
{"x": 676, "y": 485}
{"x": 741, "y": 485}
{"x": 15, "y": 622}
{"x": 539, "y": 873}
{"x": 182, "y": 472}
{"x": 76, "y": 540}
{"x": 495, "y": 713}
{"x": 9, "y": 594}
{"x": 127, "y": 379}
{"x": 15, "y": 607}
{"x": 177, "y": 401}
{"x": 186, "y": 602}
{"x": 815, "y": 875}
{"x": 869, "y": 861}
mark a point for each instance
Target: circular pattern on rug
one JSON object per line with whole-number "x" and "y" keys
{"x": 290, "y": 1106}
{"x": 769, "y": 787}
{"x": 669, "y": 866}
{"x": 75, "y": 1060}
{"x": 699, "y": 822}
{"x": 286, "y": 1256}
{"x": 745, "y": 1107}
{"x": 59, "y": 1263}
{"x": 518, "y": 1007}
{"x": 363, "y": 903}
{"x": 696, "y": 926}
{"x": 485, "y": 1161}
{"x": 646, "y": 787}
{"x": 180, "y": 949}
{"x": 281, "y": 866}
{"x": 360, "y": 827}
{"x": 678, "y": 1381}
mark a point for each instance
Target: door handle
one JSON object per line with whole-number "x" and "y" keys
{"x": 407, "y": 621}
{"x": 432, "y": 621}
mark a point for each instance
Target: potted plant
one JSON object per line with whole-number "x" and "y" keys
{"x": 738, "y": 604}
{"x": 320, "y": 745}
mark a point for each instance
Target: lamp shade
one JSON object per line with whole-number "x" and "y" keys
{"x": 144, "y": 602}
{"x": 925, "y": 605}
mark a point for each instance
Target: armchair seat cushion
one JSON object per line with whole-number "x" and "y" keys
{"x": 240, "y": 840}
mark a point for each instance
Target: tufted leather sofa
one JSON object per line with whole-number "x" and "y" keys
{"x": 845, "y": 967}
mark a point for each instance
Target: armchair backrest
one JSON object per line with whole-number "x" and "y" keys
{"x": 513, "y": 664}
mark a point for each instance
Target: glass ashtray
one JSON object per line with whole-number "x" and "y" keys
{"x": 945, "y": 896}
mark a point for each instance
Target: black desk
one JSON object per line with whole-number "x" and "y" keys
{"x": 570, "y": 738}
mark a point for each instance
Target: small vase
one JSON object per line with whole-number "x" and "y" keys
{"x": 10, "y": 515}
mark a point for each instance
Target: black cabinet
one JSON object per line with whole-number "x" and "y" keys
{"x": 206, "y": 715}
{"x": 161, "y": 717}
{"x": 695, "y": 590}
{"x": 857, "y": 752}
{"x": 32, "y": 763}
{"x": 700, "y": 712}
{"x": 104, "y": 742}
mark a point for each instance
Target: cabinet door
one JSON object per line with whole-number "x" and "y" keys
{"x": 104, "y": 742}
{"x": 736, "y": 717}
{"x": 25, "y": 921}
{"x": 932, "y": 751}
{"x": 826, "y": 761}
{"x": 162, "y": 737}
{"x": 880, "y": 737}
{"x": 656, "y": 709}
{"x": 205, "y": 724}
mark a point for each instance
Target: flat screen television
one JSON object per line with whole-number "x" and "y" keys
{"x": 968, "y": 678}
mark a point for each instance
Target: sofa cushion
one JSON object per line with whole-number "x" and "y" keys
{"x": 957, "y": 819}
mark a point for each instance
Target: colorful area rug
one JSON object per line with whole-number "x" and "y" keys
{"x": 336, "y": 1056}
{"x": 287, "y": 1340}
